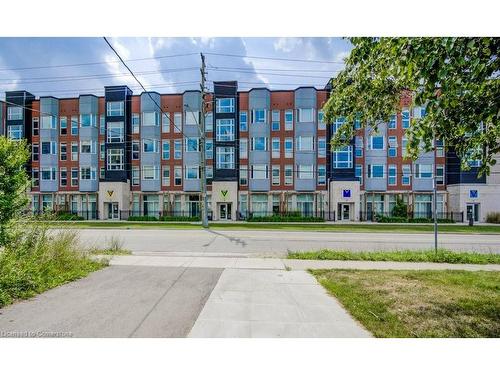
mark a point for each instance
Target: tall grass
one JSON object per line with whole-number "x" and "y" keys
{"x": 37, "y": 259}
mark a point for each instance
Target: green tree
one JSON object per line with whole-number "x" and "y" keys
{"x": 13, "y": 182}
{"x": 455, "y": 79}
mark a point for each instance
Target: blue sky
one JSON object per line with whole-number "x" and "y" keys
{"x": 165, "y": 75}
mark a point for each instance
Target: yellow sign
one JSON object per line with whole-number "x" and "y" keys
{"x": 110, "y": 193}
{"x": 223, "y": 194}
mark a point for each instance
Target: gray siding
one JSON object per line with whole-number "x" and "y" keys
{"x": 423, "y": 184}
{"x": 89, "y": 104}
{"x": 150, "y": 132}
{"x": 259, "y": 99}
{"x": 191, "y": 103}
{"x": 375, "y": 157}
{"x": 49, "y": 106}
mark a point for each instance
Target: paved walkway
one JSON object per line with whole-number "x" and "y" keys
{"x": 279, "y": 243}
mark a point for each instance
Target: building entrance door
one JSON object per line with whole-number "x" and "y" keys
{"x": 225, "y": 211}
{"x": 113, "y": 213}
{"x": 473, "y": 211}
{"x": 346, "y": 212}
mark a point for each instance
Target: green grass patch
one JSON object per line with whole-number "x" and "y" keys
{"x": 419, "y": 303}
{"x": 315, "y": 227}
{"x": 36, "y": 260}
{"x": 442, "y": 256}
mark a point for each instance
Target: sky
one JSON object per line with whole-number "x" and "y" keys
{"x": 165, "y": 65}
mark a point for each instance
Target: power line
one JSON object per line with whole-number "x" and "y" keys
{"x": 274, "y": 58}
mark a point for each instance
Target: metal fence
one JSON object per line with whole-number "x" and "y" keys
{"x": 66, "y": 214}
{"x": 285, "y": 215}
{"x": 376, "y": 216}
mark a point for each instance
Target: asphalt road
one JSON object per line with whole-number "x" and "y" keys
{"x": 278, "y": 243}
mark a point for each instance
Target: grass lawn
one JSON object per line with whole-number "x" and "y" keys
{"x": 320, "y": 227}
{"x": 419, "y": 303}
{"x": 442, "y": 256}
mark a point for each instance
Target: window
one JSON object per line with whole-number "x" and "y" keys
{"x": 115, "y": 132}
{"x": 14, "y": 113}
{"x": 135, "y": 175}
{"x": 48, "y": 174}
{"x": 321, "y": 120}
{"x": 224, "y": 105}
{"x": 177, "y": 149}
{"x": 74, "y": 151}
{"x": 440, "y": 174}
{"x": 406, "y": 176}
{"x": 87, "y": 147}
{"x": 288, "y": 148}
{"x": 151, "y": 118}
{"x": 423, "y": 170}
{"x": 192, "y": 117}
{"x": 49, "y": 148}
{"x": 63, "y": 177}
{"x": 393, "y": 146}
{"x": 209, "y": 149}
{"x": 149, "y": 145}
{"x": 35, "y": 126}
{"x": 165, "y": 175}
{"x": 74, "y": 176}
{"x": 177, "y": 175}
{"x": 243, "y": 148}
{"x": 115, "y": 160}
{"x": 342, "y": 157}
{"x": 149, "y": 172}
{"x": 339, "y": 121}
{"x": 259, "y": 144}
{"x": 305, "y": 143}
{"x": 177, "y": 122}
{"x": 165, "y": 150}
{"x": 439, "y": 148}
{"x": 305, "y": 172}
{"x": 358, "y": 143}
{"x": 102, "y": 173}
{"x": 404, "y": 144}
{"x": 357, "y": 124}
{"x": 209, "y": 172}
{"x": 322, "y": 147}
{"x": 192, "y": 172}
{"x": 114, "y": 108}
{"x": 275, "y": 173}
{"x": 136, "y": 150}
{"x": 63, "y": 125}
{"x": 15, "y": 132}
{"x": 243, "y": 175}
{"x": 376, "y": 171}
{"x": 35, "y": 177}
{"x": 259, "y": 204}
{"x": 275, "y": 120}
{"x": 288, "y": 174}
{"x": 392, "y": 173}
{"x": 275, "y": 146}
{"x": 225, "y": 157}
{"x": 393, "y": 122}
{"x": 243, "y": 121}
{"x": 102, "y": 149}
{"x": 102, "y": 124}
{"x": 258, "y": 116}
{"x": 376, "y": 142}
{"x": 224, "y": 130}
{"x": 88, "y": 120}
{"x": 358, "y": 173}
{"x": 136, "y": 123}
{"x": 192, "y": 144}
{"x": 289, "y": 119}
{"x": 63, "y": 152}
{"x": 209, "y": 122}
{"x": 306, "y": 114}
{"x": 74, "y": 125}
{"x": 260, "y": 171}
{"x": 321, "y": 174}
{"x": 419, "y": 112}
{"x": 405, "y": 119}
{"x": 35, "y": 150}
{"x": 87, "y": 173}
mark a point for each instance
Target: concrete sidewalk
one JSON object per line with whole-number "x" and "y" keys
{"x": 285, "y": 264}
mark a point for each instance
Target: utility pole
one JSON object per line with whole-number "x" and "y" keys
{"x": 203, "y": 169}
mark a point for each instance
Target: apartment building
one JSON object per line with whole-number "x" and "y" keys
{"x": 122, "y": 155}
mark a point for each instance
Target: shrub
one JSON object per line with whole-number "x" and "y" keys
{"x": 180, "y": 218}
{"x": 400, "y": 209}
{"x": 394, "y": 219}
{"x": 142, "y": 218}
{"x": 66, "y": 216}
{"x": 493, "y": 217}
{"x": 285, "y": 218}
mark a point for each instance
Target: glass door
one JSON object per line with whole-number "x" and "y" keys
{"x": 223, "y": 211}
{"x": 346, "y": 212}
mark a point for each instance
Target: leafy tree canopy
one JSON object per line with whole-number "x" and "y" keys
{"x": 456, "y": 80}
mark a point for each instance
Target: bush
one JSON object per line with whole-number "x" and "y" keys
{"x": 66, "y": 216}
{"x": 37, "y": 259}
{"x": 493, "y": 217}
{"x": 285, "y": 218}
{"x": 394, "y": 219}
{"x": 142, "y": 218}
{"x": 400, "y": 209}
{"x": 391, "y": 219}
{"x": 180, "y": 218}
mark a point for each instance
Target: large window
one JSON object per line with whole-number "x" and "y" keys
{"x": 49, "y": 174}
{"x": 392, "y": 175}
{"x": 358, "y": 173}
{"x": 115, "y": 159}
{"x": 243, "y": 175}
{"x": 209, "y": 122}
{"x": 87, "y": 147}
{"x": 177, "y": 122}
{"x": 321, "y": 174}
{"x": 150, "y": 145}
{"x": 224, "y": 105}
{"x": 225, "y": 130}
{"x": 87, "y": 173}
{"x": 63, "y": 125}
{"x": 288, "y": 174}
{"x": 406, "y": 176}
{"x": 192, "y": 144}
{"x": 305, "y": 143}
{"x": 289, "y": 119}
{"x": 258, "y": 116}
{"x": 136, "y": 123}
{"x": 393, "y": 146}
{"x": 259, "y": 204}
{"x": 275, "y": 173}
{"x": 440, "y": 174}
{"x": 225, "y": 157}
{"x": 305, "y": 172}
{"x": 49, "y": 148}
{"x": 15, "y": 132}
{"x": 14, "y": 113}
{"x": 192, "y": 172}
{"x": 150, "y": 118}
{"x": 150, "y": 172}
{"x": 165, "y": 123}
{"x": 358, "y": 143}
{"x": 74, "y": 125}
{"x": 87, "y": 120}
{"x": 377, "y": 142}
{"x": 243, "y": 148}
{"x": 192, "y": 117}
{"x": 74, "y": 151}
{"x": 177, "y": 175}
{"x": 115, "y": 132}
{"x": 306, "y": 114}
{"x": 321, "y": 147}
{"x": 275, "y": 146}
{"x": 136, "y": 150}
{"x": 243, "y": 121}
{"x": 423, "y": 170}
{"x": 288, "y": 148}
{"x": 259, "y": 144}
{"x": 165, "y": 175}
{"x": 209, "y": 149}
{"x": 260, "y": 171}
{"x": 339, "y": 121}
{"x": 376, "y": 171}
{"x": 393, "y": 122}
{"x": 49, "y": 122}
{"x": 114, "y": 108}
{"x": 135, "y": 175}
{"x": 275, "y": 120}
{"x": 342, "y": 157}
{"x": 423, "y": 206}
{"x": 177, "y": 149}
{"x": 165, "y": 150}
{"x": 405, "y": 119}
